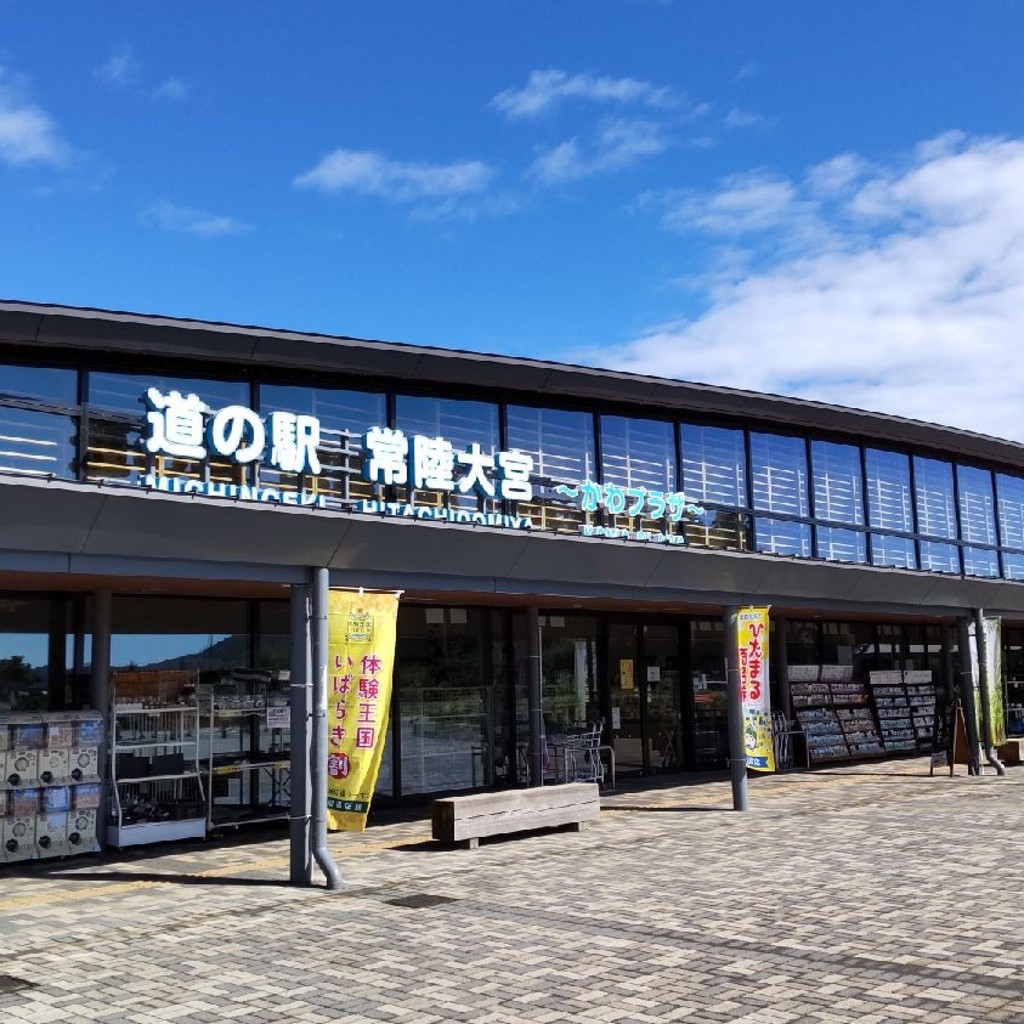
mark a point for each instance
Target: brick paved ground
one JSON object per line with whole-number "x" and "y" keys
{"x": 871, "y": 895}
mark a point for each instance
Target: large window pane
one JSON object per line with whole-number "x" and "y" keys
{"x": 977, "y": 508}
{"x": 937, "y": 557}
{"x": 841, "y": 545}
{"x": 1010, "y": 491}
{"x": 935, "y": 499}
{"x": 639, "y": 455}
{"x": 562, "y": 446}
{"x": 41, "y": 383}
{"x": 345, "y": 416}
{"x": 782, "y": 537}
{"x": 462, "y": 424}
{"x": 714, "y": 465}
{"x": 837, "y": 483}
{"x": 26, "y": 652}
{"x": 195, "y": 634}
{"x": 117, "y": 417}
{"x": 779, "y": 470}
{"x": 980, "y": 562}
{"x": 37, "y": 443}
{"x": 122, "y": 392}
{"x": 896, "y": 552}
{"x": 1013, "y": 566}
{"x": 447, "y": 662}
{"x": 889, "y": 502}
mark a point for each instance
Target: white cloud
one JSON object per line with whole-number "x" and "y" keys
{"x": 28, "y": 134}
{"x": 373, "y": 174}
{"x": 619, "y": 144}
{"x": 186, "y": 220}
{"x": 545, "y": 90}
{"x": 173, "y": 90}
{"x": 897, "y": 289}
{"x": 741, "y": 118}
{"x": 121, "y": 70}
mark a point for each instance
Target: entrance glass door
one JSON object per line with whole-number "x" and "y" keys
{"x": 662, "y": 692}
{"x": 645, "y": 676}
{"x": 627, "y": 711}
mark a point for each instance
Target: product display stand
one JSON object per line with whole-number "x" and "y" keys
{"x": 247, "y": 759}
{"x": 834, "y": 713}
{"x": 893, "y": 709}
{"x": 50, "y": 786}
{"x": 921, "y": 698}
{"x": 156, "y": 789}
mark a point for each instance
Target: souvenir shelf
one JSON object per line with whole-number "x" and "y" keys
{"x": 1015, "y": 708}
{"x": 50, "y": 786}
{"x": 895, "y": 718}
{"x": 246, "y": 720}
{"x": 921, "y": 698}
{"x": 834, "y": 713}
{"x": 156, "y": 786}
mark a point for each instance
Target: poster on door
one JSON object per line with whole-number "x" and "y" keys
{"x": 752, "y": 650}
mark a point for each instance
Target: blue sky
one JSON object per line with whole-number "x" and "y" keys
{"x": 811, "y": 198}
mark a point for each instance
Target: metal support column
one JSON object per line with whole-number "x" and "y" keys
{"x": 99, "y": 682}
{"x": 300, "y": 815}
{"x": 318, "y": 773}
{"x": 536, "y": 696}
{"x": 963, "y": 633}
{"x": 737, "y": 749}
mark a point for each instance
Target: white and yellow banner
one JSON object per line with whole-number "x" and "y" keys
{"x": 752, "y": 649}
{"x": 361, "y": 646}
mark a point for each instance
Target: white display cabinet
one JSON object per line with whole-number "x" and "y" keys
{"x": 155, "y": 782}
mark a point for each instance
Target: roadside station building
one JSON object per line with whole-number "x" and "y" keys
{"x": 164, "y": 483}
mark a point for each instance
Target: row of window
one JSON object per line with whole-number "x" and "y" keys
{"x": 763, "y": 491}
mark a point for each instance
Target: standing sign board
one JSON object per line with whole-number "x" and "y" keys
{"x": 361, "y": 644}
{"x": 752, "y": 643}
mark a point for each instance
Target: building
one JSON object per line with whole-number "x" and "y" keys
{"x": 621, "y": 513}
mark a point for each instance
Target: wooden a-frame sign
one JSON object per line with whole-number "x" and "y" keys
{"x": 949, "y": 740}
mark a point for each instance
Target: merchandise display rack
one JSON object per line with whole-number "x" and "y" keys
{"x": 921, "y": 698}
{"x": 246, "y": 721}
{"x": 834, "y": 713}
{"x": 893, "y": 709}
{"x": 155, "y": 782}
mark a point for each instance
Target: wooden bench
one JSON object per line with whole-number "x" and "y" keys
{"x": 468, "y": 819}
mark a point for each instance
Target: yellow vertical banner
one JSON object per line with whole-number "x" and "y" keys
{"x": 752, "y": 644}
{"x": 361, "y": 657}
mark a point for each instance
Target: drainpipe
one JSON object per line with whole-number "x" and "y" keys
{"x": 985, "y": 685}
{"x": 318, "y": 769}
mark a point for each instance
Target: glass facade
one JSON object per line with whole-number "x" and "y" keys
{"x": 714, "y": 464}
{"x": 784, "y": 494}
{"x": 561, "y": 444}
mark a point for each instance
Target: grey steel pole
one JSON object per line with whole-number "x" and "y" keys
{"x": 985, "y": 692}
{"x": 737, "y": 749}
{"x": 318, "y": 773}
{"x": 963, "y": 634}
{"x": 301, "y": 860}
{"x": 535, "y": 696}
{"x": 99, "y": 688}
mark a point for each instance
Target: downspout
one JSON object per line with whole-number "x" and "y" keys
{"x": 318, "y": 768}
